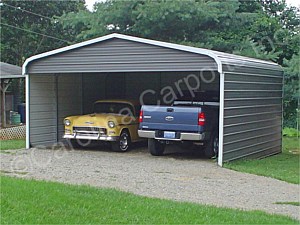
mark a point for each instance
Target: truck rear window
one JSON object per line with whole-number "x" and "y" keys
{"x": 198, "y": 98}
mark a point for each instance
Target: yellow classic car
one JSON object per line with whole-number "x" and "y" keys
{"x": 115, "y": 121}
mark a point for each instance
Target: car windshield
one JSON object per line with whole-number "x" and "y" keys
{"x": 114, "y": 108}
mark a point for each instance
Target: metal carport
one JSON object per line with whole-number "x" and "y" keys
{"x": 8, "y": 72}
{"x": 62, "y": 82}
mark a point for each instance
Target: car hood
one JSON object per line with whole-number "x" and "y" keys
{"x": 98, "y": 119}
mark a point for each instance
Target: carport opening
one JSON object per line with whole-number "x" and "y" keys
{"x": 149, "y": 88}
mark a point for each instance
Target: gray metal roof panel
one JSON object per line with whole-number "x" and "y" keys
{"x": 10, "y": 71}
{"x": 219, "y": 57}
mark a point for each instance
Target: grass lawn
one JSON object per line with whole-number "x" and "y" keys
{"x": 283, "y": 166}
{"x": 40, "y": 202}
{"x": 12, "y": 144}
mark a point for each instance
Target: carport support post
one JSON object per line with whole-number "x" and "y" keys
{"x": 3, "y": 114}
{"x": 27, "y": 111}
{"x": 221, "y": 119}
{"x": 5, "y": 83}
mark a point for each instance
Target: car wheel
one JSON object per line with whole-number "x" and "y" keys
{"x": 123, "y": 144}
{"x": 155, "y": 147}
{"x": 211, "y": 148}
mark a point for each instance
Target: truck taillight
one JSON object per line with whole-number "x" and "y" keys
{"x": 201, "y": 119}
{"x": 141, "y": 116}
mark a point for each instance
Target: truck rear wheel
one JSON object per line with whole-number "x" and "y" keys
{"x": 155, "y": 147}
{"x": 211, "y": 148}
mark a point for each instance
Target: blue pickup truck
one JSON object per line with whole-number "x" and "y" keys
{"x": 187, "y": 121}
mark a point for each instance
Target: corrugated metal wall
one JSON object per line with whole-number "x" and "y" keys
{"x": 138, "y": 83}
{"x": 118, "y": 55}
{"x": 43, "y": 112}
{"x": 151, "y": 86}
{"x": 52, "y": 98}
{"x": 69, "y": 98}
{"x": 252, "y": 113}
{"x": 93, "y": 87}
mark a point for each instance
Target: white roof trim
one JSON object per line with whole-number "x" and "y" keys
{"x": 213, "y": 54}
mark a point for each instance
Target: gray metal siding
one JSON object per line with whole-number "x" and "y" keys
{"x": 93, "y": 89}
{"x": 262, "y": 69}
{"x": 252, "y": 114}
{"x": 69, "y": 98}
{"x": 137, "y": 85}
{"x": 43, "y": 113}
{"x": 147, "y": 85}
{"x": 99, "y": 86}
{"x": 234, "y": 61}
{"x": 117, "y": 55}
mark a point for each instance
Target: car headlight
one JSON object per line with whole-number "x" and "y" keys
{"x": 67, "y": 122}
{"x": 111, "y": 124}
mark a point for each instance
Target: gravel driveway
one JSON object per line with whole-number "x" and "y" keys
{"x": 178, "y": 176}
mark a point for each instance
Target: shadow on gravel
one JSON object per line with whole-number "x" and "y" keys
{"x": 184, "y": 153}
{"x": 171, "y": 151}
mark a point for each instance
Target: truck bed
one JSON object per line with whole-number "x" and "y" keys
{"x": 180, "y": 122}
{"x": 177, "y": 118}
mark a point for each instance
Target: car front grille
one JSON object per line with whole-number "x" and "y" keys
{"x": 90, "y": 130}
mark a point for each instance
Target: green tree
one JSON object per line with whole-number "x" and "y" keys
{"x": 291, "y": 89}
{"x": 30, "y": 27}
{"x": 276, "y": 29}
{"x": 199, "y": 23}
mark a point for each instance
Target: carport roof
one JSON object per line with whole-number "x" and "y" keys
{"x": 10, "y": 71}
{"x": 220, "y": 58}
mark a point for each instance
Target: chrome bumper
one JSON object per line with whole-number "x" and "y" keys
{"x": 89, "y": 137}
{"x": 183, "y": 136}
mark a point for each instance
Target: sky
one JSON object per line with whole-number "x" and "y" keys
{"x": 90, "y": 3}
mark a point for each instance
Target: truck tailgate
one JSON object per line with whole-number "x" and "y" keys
{"x": 171, "y": 118}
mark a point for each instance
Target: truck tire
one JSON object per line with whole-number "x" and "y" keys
{"x": 123, "y": 144}
{"x": 211, "y": 148}
{"x": 155, "y": 147}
